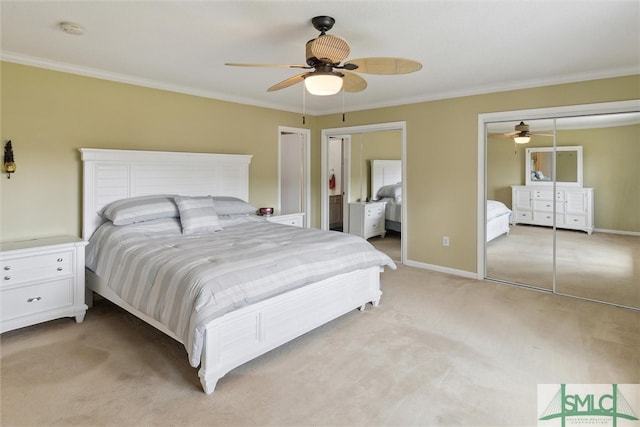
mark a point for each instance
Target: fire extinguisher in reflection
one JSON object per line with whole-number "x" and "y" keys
{"x": 332, "y": 180}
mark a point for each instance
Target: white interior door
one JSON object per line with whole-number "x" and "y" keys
{"x": 293, "y": 174}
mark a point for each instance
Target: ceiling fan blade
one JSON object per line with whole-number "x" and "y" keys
{"x": 386, "y": 66}
{"x": 288, "y": 82}
{"x": 501, "y": 135}
{"x": 236, "y": 64}
{"x": 541, "y": 134}
{"x": 329, "y": 48}
{"x": 353, "y": 83}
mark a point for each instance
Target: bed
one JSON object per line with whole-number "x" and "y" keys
{"x": 386, "y": 185}
{"x": 225, "y": 285}
{"x": 498, "y": 219}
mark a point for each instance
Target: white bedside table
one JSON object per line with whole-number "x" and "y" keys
{"x": 42, "y": 279}
{"x": 295, "y": 219}
{"x": 367, "y": 219}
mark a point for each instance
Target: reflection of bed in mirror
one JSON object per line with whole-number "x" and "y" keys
{"x": 498, "y": 219}
{"x": 386, "y": 185}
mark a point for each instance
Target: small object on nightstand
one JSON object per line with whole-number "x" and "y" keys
{"x": 265, "y": 211}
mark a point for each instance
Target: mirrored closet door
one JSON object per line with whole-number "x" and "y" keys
{"x": 603, "y": 265}
{"x": 526, "y": 256}
{"x": 572, "y": 195}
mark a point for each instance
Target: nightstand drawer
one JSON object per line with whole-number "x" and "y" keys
{"x": 295, "y": 219}
{"x": 374, "y": 212}
{"x": 26, "y": 300}
{"x": 36, "y": 267}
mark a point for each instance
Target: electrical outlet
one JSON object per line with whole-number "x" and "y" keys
{"x": 445, "y": 241}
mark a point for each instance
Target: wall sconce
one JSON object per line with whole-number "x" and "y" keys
{"x": 9, "y": 164}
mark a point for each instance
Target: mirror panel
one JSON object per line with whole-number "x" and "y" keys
{"x": 524, "y": 255}
{"x": 565, "y": 161}
{"x": 604, "y": 266}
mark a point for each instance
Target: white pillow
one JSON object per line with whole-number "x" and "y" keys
{"x": 393, "y": 191}
{"x": 197, "y": 215}
{"x": 227, "y": 205}
{"x": 140, "y": 209}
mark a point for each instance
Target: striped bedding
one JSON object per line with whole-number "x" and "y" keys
{"x": 185, "y": 281}
{"x": 393, "y": 209}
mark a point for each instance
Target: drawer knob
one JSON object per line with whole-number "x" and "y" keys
{"x": 59, "y": 259}
{"x": 59, "y": 268}
{"x": 34, "y": 299}
{"x": 7, "y": 277}
{"x": 7, "y": 267}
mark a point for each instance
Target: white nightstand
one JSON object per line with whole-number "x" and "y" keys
{"x": 42, "y": 279}
{"x": 367, "y": 219}
{"x": 295, "y": 219}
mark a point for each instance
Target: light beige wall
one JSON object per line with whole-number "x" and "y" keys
{"x": 610, "y": 165}
{"x": 49, "y": 115}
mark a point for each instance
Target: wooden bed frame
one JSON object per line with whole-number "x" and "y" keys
{"x": 246, "y": 333}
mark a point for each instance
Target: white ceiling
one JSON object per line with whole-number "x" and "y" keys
{"x": 466, "y": 47}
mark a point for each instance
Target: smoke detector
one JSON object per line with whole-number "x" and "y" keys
{"x": 72, "y": 28}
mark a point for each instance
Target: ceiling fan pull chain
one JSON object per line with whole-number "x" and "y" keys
{"x": 343, "y": 103}
{"x": 304, "y": 98}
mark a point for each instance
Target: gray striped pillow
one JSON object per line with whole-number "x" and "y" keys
{"x": 197, "y": 215}
{"x": 139, "y": 209}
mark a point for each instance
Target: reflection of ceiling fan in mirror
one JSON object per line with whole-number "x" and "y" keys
{"x": 325, "y": 54}
{"x": 521, "y": 134}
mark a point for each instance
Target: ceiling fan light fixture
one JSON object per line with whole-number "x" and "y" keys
{"x": 323, "y": 84}
{"x": 522, "y": 138}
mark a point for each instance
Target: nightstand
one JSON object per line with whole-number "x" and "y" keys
{"x": 295, "y": 219}
{"x": 42, "y": 279}
{"x": 367, "y": 219}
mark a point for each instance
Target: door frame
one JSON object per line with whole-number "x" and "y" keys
{"x": 324, "y": 172}
{"x": 518, "y": 115}
{"x": 306, "y": 173}
{"x": 345, "y": 154}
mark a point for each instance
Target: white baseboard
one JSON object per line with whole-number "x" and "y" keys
{"x": 626, "y": 233}
{"x": 441, "y": 269}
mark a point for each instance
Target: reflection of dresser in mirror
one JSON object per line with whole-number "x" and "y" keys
{"x": 536, "y": 202}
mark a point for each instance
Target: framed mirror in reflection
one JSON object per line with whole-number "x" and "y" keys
{"x": 542, "y": 162}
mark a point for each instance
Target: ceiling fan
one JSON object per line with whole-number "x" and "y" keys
{"x": 521, "y": 134}
{"x": 328, "y": 73}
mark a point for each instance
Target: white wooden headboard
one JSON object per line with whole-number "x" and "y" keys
{"x": 110, "y": 175}
{"x": 384, "y": 172}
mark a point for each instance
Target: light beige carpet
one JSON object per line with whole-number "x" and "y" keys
{"x": 440, "y": 350}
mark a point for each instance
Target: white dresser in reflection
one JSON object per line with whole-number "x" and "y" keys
{"x": 367, "y": 219}
{"x": 535, "y": 205}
